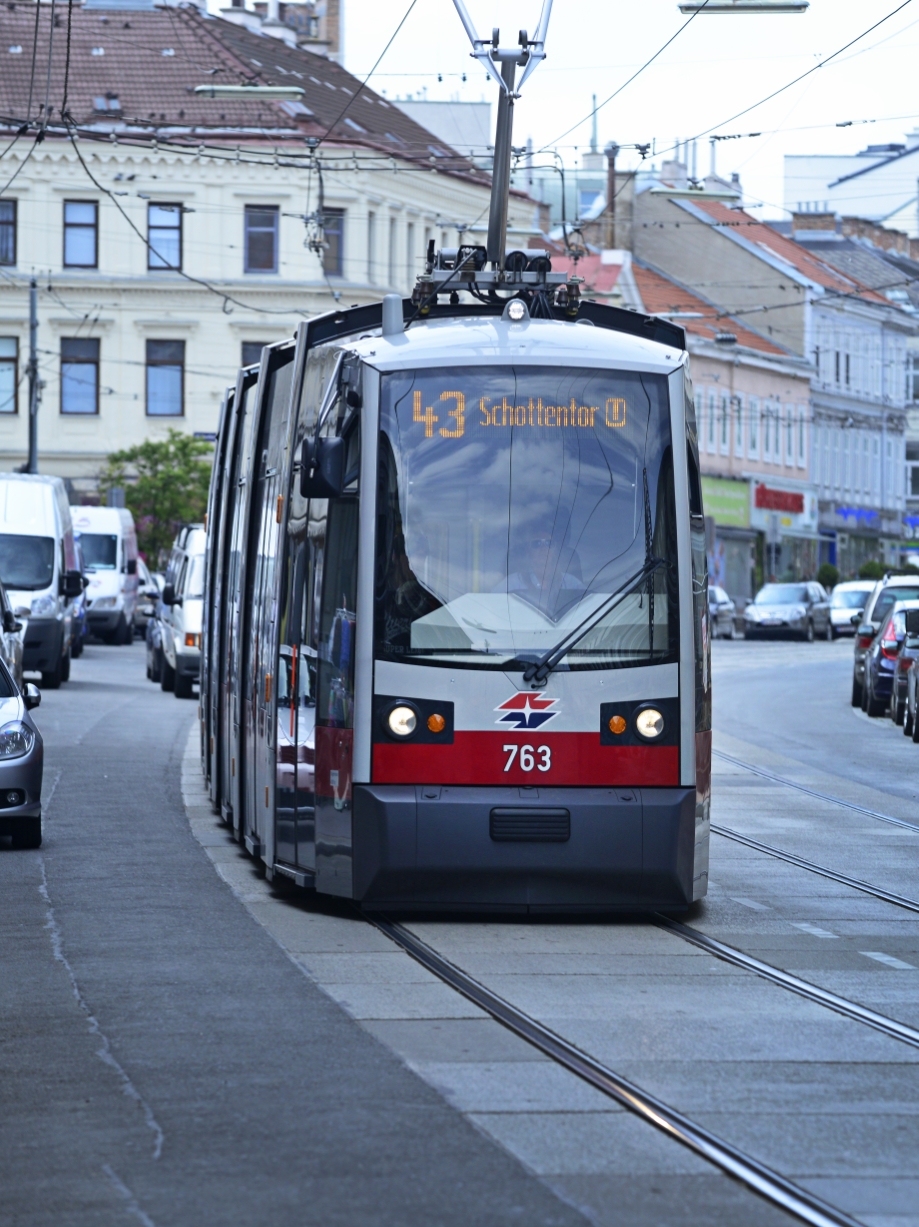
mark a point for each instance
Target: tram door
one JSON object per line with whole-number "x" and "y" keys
{"x": 316, "y": 631}
{"x": 210, "y": 626}
{"x": 268, "y": 510}
{"x": 274, "y": 376}
{"x": 234, "y": 517}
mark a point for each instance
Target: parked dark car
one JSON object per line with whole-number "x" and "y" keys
{"x": 909, "y": 651}
{"x": 911, "y": 707}
{"x": 800, "y": 610}
{"x": 79, "y": 625}
{"x": 721, "y": 611}
{"x": 887, "y": 591}
{"x": 881, "y": 660}
{"x": 154, "y": 642}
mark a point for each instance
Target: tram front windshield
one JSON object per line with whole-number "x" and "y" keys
{"x": 514, "y": 503}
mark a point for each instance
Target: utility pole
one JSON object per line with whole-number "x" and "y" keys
{"x": 32, "y": 463}
{"x": 610, "y": 229}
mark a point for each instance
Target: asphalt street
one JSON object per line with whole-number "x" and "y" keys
{"x": 183, "y": 1042}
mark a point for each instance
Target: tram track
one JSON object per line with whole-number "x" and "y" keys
{"x": 813, "y": 792}
{"x": 755, "y": 1175}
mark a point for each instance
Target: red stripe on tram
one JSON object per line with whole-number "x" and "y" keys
{"x": 490, "y": 758}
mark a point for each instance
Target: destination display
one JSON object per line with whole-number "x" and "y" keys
{"x": 449, "y": 416}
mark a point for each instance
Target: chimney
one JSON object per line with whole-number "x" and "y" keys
{"x": 879, "y": 236}
{"x": 822, "y": 222}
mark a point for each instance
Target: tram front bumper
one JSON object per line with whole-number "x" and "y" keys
{"x": 619, "y": 849}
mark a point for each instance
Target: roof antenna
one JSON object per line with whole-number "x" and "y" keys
{"x": 527, "y": 54}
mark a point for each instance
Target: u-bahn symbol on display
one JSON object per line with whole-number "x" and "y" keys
{"x": 525, "y": 710}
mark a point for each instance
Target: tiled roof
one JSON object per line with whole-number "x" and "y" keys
{"x": 803, "y": 261}
{"x": 143, "y": 66}
{"x": 599, "y": 278}
{"x": 661, "y": 296}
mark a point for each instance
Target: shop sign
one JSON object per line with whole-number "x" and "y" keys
{"x": 727, "y": 501}
{"x": 781, "y": 510}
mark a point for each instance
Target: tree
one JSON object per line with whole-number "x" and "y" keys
{"x": 165, "y": 482}
{"x": 828, "y": 575}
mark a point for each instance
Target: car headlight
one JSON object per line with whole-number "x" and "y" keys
{"x": 752, "y": 614}
{"x": 105, "y": 602}
{"x": 43, "y": 605}
{"x": 649, "y": 724}
{"x": 16, "y": 739}
{"x": 797, "y": 613}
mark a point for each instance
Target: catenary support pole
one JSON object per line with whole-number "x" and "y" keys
{"x": 32, "y": 463}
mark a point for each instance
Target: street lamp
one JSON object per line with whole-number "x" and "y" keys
{"x": 746, "y": 6}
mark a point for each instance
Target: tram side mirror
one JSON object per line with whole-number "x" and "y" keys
{"x": 132, "y": 566}
{"x": 322, "y": 468}
{"x": 912, "y": 621}
{"x": 9, "y": 621}
{"x": 169, "y": 594}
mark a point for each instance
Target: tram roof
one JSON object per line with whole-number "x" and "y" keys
{"x": 600, "y": 337}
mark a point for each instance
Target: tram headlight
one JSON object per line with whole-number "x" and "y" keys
{"x": 516, "y": 310}
{"x": 649, "y": 724}
{"x": 401, "y": 721}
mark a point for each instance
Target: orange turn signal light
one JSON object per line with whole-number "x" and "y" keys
{"x": 436, "y": 723}
{"x": 617, "y": 724}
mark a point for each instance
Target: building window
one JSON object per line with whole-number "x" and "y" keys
{"x": 79, "y": 375}
{"x": 371, "y": 246}
{"x": 252, "y": 352}
{"x": 725, "y": 422}
{"x": 7, "y": 231}
{"x": 848, "y": 370}
{"x": 789, "y": 435}
{"x": 392, "y": 251}
{"x": 837, "y": 365}
{"x": 712, "y": 410}
{"x": 164, "y": 236}
{"x": 333, "y": 229}
{"x": 410, "y": 254}
{"x": 261, "y": 238}
{"x": 753, "y": 429}
{"x": 9, "y": 374}
{"x": 767, "y": 427}
{"x": 165, "y": 378}
{"x": 777, "y": 434}
{"x": 81, "y": 234}
{"x": 802, "y": 437}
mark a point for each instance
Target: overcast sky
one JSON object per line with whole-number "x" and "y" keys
{"x": 715, "y": 67}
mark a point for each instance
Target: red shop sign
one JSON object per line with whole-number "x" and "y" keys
{"x": 779, "y": 500}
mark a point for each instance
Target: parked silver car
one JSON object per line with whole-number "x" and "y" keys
{"x": 721, "y": 612}
{"x": 12, "y": 636}
{"x": 801, "y": 610}
{"x": 21, "y": 763}
{"x": 847, "y": 600}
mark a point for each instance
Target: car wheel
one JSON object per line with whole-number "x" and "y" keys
{"x": 856, "y": 694}
{"x": 156, "y": 666}
{"x": 29, "y": 833}
{"x": 907, "y": 723}
{"x": 830, "y": 632}
{"x": 76, "y": 648}
{"x": 899, "y": 713}
{"x": 53, "y": 679}
{"x": 732, "y": 633}
{"x": 809, "y": 633}
{"x": 65, "y": 668}
{"x": 864, "y": 702}
{"x": 874, "y": 707}
{"x": 182, "y": 687}
{"x": 915, "y": 731}
{"x": 167, "y": 675}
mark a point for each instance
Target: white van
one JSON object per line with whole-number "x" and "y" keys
{"x": 109, "y": 545}
{"x": 38, "y": 566}
{"x": 182, "y": 610}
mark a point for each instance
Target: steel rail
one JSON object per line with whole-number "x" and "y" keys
{"x": 856, "y": 883}
{"x": 763, "y": 1180}
{"x": 813, "y": 792}
{"x": 850, "y": 1009}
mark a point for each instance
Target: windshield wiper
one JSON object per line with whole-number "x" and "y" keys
{"x": 537, "y": 671}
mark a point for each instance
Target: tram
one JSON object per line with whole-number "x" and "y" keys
{"x": 455, "y": 651}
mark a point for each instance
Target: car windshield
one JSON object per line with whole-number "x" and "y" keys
{"x": 100, "y": 551}
{"x": 194, "y": 584}
{"x": 886, "y": 601}
{"x": 781, "y": 594}
{"x": 850, "y": 598}
{"x": 513, "y": 503}
{"x": 26, "y": 562}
